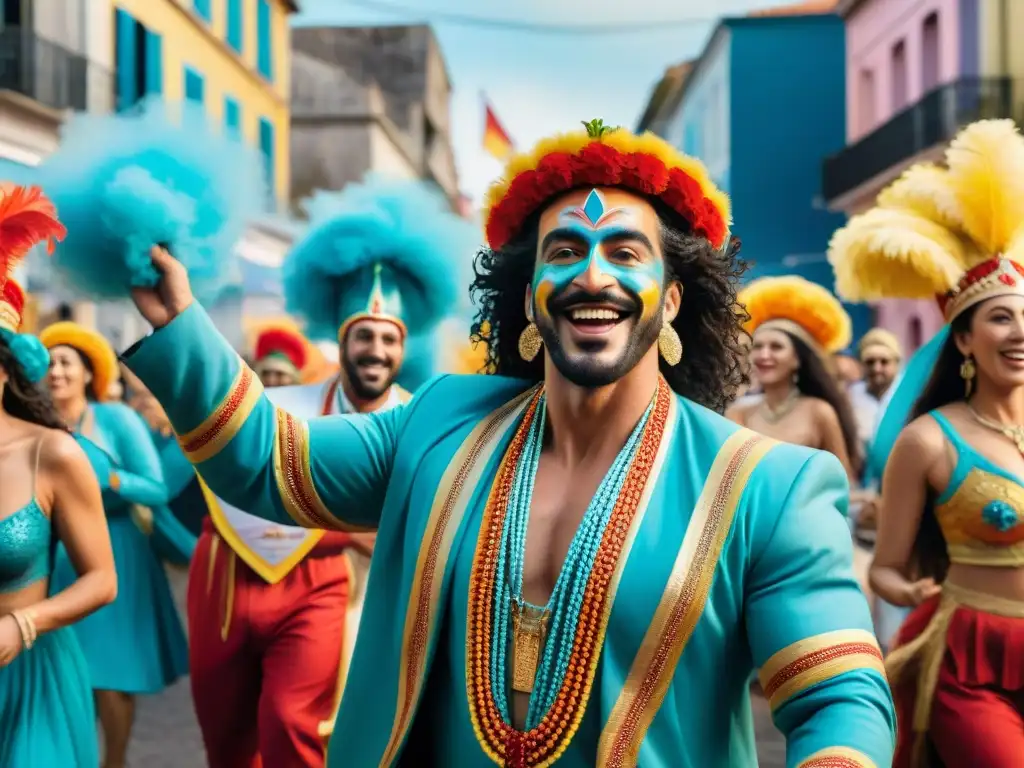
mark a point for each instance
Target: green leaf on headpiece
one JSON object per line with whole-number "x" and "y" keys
{"x": 596, "y": 128}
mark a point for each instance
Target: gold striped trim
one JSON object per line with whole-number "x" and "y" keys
{"x": 217, "y": 430}
{"x": 460, "y": 480}
{"x": 838, "y": 757}
{"x": 814, "y": 660}
{"x": 293, "y": 475}
{"x": 682, "y": 601}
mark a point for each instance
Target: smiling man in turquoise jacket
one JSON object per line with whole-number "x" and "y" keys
{"x": 579, "y": 562}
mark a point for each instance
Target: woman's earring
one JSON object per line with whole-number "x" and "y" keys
{"x": 669, "y": 344}
{"x": 529, "y": 342}
{"x": 967, "y": 372}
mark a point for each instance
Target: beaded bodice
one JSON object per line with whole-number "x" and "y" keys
{"x": 25, "y": 549}
{"x": 981, "y": 512}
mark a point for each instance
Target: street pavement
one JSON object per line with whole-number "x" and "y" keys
{"x": 166, "y": 734}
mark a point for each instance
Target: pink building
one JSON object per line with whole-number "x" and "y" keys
{"x": 913, "y": 78}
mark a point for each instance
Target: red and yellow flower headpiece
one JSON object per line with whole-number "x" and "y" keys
{"x": 799, "y": 307}
{"x": 953, "y": 232}
{"x": 93, "y": 346}
{"x": 601, "y": 156}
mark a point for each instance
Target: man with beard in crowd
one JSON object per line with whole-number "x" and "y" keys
{"x": 273, "y": 609}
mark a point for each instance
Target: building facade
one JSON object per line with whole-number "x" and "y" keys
{"x": 233, "y": 56}
{"x": 761, "y": 130}
{"x": 916, "y": 72}
{"x": 370, "y": 99}
{"x": 59, "y": 56}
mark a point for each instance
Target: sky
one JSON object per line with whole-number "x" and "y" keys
{"x": 543, "y": 83}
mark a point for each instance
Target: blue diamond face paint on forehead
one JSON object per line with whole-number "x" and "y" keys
{"x": 593, "y": 212}
{"x": 594, "y": 206}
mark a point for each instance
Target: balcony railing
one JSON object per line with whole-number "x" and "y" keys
{"x": 933, "y": 120}
{"x": 51, "y": 74}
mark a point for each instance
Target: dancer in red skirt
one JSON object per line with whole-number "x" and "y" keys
{"x": 951, "y": 528}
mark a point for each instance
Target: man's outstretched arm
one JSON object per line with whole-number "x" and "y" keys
{"x": 330, "y": 472}
{"x": 811, "y": 634}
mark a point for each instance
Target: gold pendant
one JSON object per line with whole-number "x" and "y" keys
{"x": 529, "y": 625}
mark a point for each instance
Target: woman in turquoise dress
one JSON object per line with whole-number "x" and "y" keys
{"x": 137, "y": 644}
{"x": 50, "y": 493}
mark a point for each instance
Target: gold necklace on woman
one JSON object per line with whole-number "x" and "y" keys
{"x": 783, "y": 409}
{"x": 1014, "y": 432}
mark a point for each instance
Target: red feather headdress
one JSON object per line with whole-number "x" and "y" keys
{"x": 27, "y": 218}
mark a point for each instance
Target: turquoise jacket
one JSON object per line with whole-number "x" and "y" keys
{"x": 738, "y": 558}
{"x": 122, "y": 447}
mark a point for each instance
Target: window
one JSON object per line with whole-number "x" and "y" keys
{"x": 234, "y": 30}
{"x": 916, "y": 334}
{"x": 930, "y": 53}
{"x": 232, "y": 116}
{"x": 194, "y": 86}
{"x": 899, "y": 76}
{"x": 138, "y": 56}
{"x": 202, "y": 7}
{"x": 866, "y": 101}
{"x": 267, "y": 148}
{"x": 264, "y": 52}
{"x": 13, "y": 14}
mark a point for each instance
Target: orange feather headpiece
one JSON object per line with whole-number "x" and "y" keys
{"x": 27, "y": 218}
{"x": 799, "y": 307}
{"x": 602, "y": 156}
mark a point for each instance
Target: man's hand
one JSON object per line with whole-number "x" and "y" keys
{"x": 170, "y": 297}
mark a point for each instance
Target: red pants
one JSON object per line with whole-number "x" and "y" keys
{"x": 977, "y": 712}
{"x": 264, "y": 657}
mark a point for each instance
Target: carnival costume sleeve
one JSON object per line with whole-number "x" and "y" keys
{"x": 141, "y": 479}
{"x": 331, "y": 472}
{"x": 811, "y": 634}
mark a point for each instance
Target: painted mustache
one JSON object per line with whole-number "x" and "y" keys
{"x": 574, "y": 298}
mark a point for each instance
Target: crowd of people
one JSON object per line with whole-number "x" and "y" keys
{"x": 664, "y": 488}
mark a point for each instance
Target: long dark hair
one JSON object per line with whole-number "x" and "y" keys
{"x": 929, "y": 556}
{"x": 814, "y": 379}
{"x": 24, "y": 400}
{"x": 709, "y": 323}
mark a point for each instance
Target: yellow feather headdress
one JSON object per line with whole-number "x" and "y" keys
{"x": 955, "y": 232}
{"x": 800, "y": 307}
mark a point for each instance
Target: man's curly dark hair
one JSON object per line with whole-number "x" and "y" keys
{"x": 709, "y": 323}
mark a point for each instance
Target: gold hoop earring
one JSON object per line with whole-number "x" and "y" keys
{"x": 967, "y": 372}
{"x": 669, "y": 344}
{"x": 529, "y": 342}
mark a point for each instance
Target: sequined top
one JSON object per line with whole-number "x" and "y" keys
{"x": 982, "y": 509}
{"x": 25, "y": 549}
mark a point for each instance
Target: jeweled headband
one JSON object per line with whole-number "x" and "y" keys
{"x": 602, "y": 156}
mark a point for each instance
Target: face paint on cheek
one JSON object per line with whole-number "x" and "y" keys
{"x": 550, "y": 280}
{"x": 645, "y": 283}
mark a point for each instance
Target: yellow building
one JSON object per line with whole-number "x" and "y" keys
{"x": 233, "y": 56}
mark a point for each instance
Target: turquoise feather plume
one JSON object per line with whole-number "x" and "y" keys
{"x": 407, "y": 226}
{"x": 159, "y": 174}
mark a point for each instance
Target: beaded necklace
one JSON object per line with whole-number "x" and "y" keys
{"x": 581, "y": 639}
{"x": 542, "y": 677}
